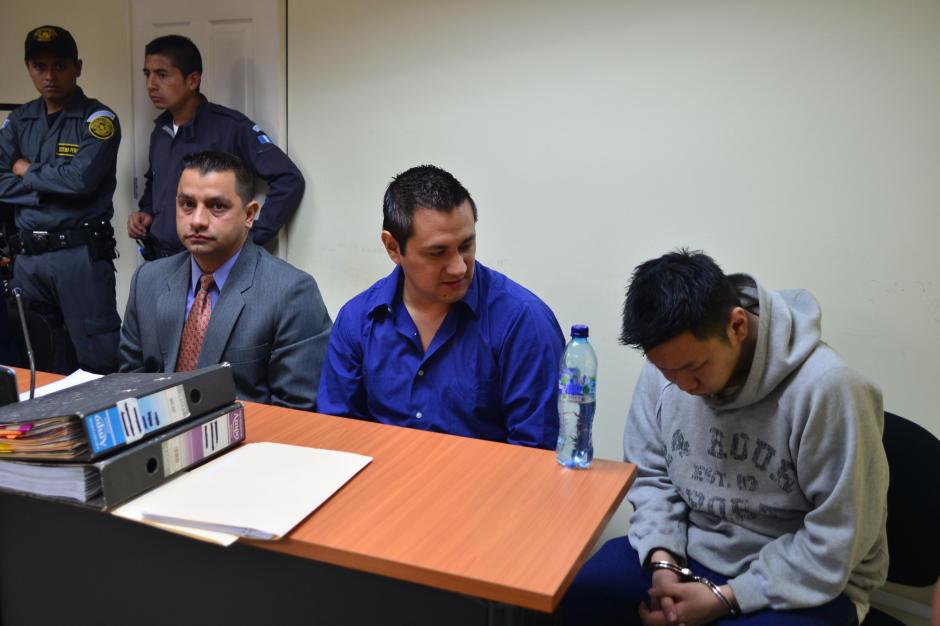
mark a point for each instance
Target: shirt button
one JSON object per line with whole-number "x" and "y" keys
{"x": 418, "y": 415}
{"x": 420, "y": 372}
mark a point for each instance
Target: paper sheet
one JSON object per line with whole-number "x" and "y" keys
{"x": 132, "y": 511}
{"x": 75, "y": 378}
{"x": 260, "y": 490}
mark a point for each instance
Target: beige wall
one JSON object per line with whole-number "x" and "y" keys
{"x": 100, "y": 28}
{"x": 794, "y": 141}
{"x": 797, "y": 141}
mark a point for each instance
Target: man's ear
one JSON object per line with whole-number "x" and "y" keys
{"x": 391, "y": 247}
{"x": 78, "y": 67}
{"x": 738, "y": 325}
{"x": 193, "y": 80}
{"x": 251, "y": 213}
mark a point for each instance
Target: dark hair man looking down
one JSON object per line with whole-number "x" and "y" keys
{"x": 759, "y": 461}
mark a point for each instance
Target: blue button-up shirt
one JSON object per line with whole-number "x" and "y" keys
{"x": 490, "y": 371}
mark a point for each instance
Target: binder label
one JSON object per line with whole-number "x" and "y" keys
{"x": 196, "y": 444}
{"x": 157, "y": 411}
{"x": 104, "y": 430}
{"x": 132, "y": 419}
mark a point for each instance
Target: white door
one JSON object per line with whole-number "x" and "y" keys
{"x": 243, "y": 58}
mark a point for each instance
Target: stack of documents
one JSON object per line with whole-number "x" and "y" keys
{"x": 77, "y": 482}
{"x": 60, "y": 437}
{"x": 104, "y": 443}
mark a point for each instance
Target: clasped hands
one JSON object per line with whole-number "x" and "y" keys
{"x": 677, "y": 603}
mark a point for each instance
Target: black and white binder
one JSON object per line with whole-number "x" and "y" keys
{"x": 97, "y": 418}
{"x": 133, "y": 470}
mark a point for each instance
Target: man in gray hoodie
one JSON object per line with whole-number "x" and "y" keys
{"x": 761, "y": 477}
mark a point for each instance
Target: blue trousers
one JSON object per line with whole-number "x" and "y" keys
{"x": 611, "y": 585}
{"x": 84, "y": 292}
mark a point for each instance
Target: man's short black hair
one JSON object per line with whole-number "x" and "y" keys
{"x": 425, "y": 187}
{"x": 181, "y": 51}
{"x": 680, "y": 291}
{"x": 219, "y": 161}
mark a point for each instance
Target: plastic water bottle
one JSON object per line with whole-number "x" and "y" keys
{"x": 577, "y": 381}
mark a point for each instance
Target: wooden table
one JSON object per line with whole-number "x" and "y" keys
{"x": 473, "y": 518}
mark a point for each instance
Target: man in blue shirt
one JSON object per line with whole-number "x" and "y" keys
{"x": 191, "y": 124}
{"x": 444, "y": 343}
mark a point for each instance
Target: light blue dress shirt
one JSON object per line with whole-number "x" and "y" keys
{"x": 219, "y": 276}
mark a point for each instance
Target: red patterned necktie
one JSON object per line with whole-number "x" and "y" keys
{"x": 194, "y": 332}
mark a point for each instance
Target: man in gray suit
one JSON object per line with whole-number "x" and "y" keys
{"x": 226, "y": 299}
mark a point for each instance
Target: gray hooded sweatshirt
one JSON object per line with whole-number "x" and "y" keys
{"x": 781, "y": 486}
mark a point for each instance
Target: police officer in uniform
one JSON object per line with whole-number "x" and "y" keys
{"x": 191, "y": 124}
{"x": 58, "y": 155}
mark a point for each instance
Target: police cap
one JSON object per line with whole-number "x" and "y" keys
{"x": 54, "y": 39}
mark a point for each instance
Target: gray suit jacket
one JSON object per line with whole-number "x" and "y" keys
{"x": 269, "y": 322}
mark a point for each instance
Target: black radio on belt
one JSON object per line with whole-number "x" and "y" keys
{"x": 101, "y": 242}
{"x": 98, "y": 235}
{"x": 151, "y": 249}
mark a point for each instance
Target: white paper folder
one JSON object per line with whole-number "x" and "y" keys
{"x": 260, "y": 490}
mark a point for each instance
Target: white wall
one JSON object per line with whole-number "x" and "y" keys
{"x": 100, "y": 28}
{"x": 797, "y": 141}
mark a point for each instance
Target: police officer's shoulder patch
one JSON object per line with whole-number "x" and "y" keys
{"x": 6, "y": 123}
{"x": 101, "y": 124}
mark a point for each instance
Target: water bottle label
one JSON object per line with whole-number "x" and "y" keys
{"x": 576, "y": 387}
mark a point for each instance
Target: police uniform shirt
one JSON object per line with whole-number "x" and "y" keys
{"x": 216, "y": 127}
{"x": 73, "y": 159}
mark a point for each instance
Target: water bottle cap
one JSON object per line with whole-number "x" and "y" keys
{"x": 579, "y": 330}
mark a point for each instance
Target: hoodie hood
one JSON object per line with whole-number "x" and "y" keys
{"x": 788, "y": 331}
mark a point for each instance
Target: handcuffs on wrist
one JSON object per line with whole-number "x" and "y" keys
{"x": 686, "y": 575}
